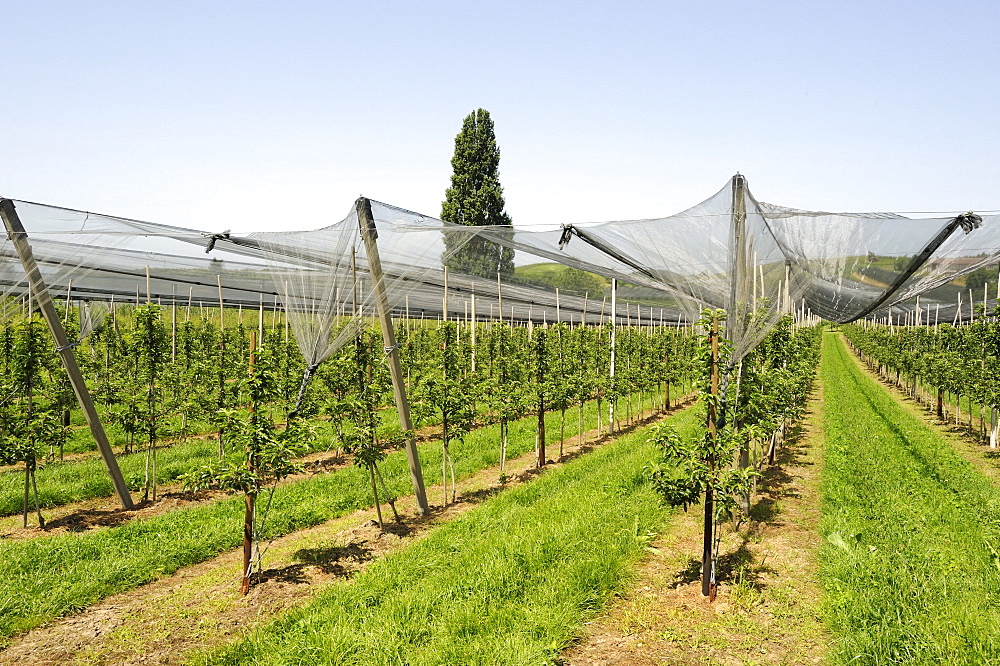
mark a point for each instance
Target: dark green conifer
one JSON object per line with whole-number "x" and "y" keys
{"x": 475, "y": 198}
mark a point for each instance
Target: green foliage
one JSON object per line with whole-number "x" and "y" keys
{"x": 566, "y": 278}
{"x": 980, "y": 277}
{"x": 266, "y": 452}
{"x": 27, "y": 423}
{"x": 475, "y": 198}
{"x": 773, "y": 381}
{"x": 962, "y": 361}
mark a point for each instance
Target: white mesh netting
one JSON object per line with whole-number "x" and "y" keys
{"x": 753, "y": 259}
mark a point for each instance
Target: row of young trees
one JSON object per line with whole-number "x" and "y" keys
{"x": 158, "y": 380}
{"x": 746, "y": 420}
{"x": 942, "y": 366}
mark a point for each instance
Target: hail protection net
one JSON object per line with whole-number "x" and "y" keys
{"x": 720, "y": 253}
{"x": 753, "y": 259}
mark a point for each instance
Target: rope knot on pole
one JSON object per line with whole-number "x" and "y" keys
{"x": 969, "y": 221}
{"x": 214, "y": 238}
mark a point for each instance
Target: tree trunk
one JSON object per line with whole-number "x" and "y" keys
{"x": 503, "y": 448}
{"x": 251, "y": 500}
{"x": 378, "y": 506}
{"x": 38, "y": 509}
{"x": 27, "y": 486}
{"x": 994, "y": 427}
{"x": 707, "y": 563}
{"x": 541, "y": 433}
{"x": 388, "y": 498}
{"x": 562, "y": 431}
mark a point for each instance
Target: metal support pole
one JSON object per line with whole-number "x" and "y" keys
{"x": 708, "y": 542}
{"x": 19, "y": 238}
{"x": 368, "y": 233}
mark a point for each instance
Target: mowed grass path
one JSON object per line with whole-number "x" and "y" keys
{"x": 47, "y": 577}
{"x": 511, "y": 582}
{"x": 911, "y": 563}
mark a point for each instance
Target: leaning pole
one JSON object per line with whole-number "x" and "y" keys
{"x": 369, "y": 234}
{"x": 19, "y": 238}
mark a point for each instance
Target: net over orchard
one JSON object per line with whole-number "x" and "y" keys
{"x": 753, "y": 259}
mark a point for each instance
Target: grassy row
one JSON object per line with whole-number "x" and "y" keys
{"x": 82, "y": 441}
{"x": 911, "y": 565}
{"x": 511, "y": 582}
{"x": 61, "y": 483}
{"x": 47, "y": 577}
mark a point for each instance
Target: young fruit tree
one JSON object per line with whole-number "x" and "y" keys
{"x": 260, "y": 455}
{"x": 700, "y": 468}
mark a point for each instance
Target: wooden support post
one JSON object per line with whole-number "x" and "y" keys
{"x": 444, "y": 299}
{"x": 499, "y": 298}
{"x": 739, "y": 297}
{"x": 19, "y": 238}
{"x": 611, "y": 374}
{"x": 173, "y": 324}
{"x": 369, "y": 234}
{"x": 473, "y": 333}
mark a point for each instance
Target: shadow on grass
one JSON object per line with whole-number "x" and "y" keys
{"x": 338, "y": 561}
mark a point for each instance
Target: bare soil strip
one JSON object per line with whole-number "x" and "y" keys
{"x": 200, "y": 606}
{"x": 768, "y": 606}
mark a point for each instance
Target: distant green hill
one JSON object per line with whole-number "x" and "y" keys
{"x": 565, "y": 278}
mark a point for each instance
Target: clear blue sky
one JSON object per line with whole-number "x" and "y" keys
{"x": 278, "y": 115}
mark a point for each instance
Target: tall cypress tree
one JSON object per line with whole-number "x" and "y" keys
{"x": 475, "y": 198}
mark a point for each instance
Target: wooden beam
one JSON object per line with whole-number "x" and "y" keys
{"x": 19, "y": 238}
{"x": 369, "y": 234}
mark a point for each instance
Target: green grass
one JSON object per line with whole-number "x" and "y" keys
{"x": 910, "y": 564}
{"x": 511, "y": 582}
{"x": 47, "y": 577}
{"x": 71, "y": 481}
{"x": 82, "y": 441}
{"x": 61, "y": 483}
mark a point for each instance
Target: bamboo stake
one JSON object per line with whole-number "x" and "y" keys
{"x": 260, "y": 319}
{"x": 69, "y": 300}
{"x": 173, "y": 324}
{"x": 222, "y": 321}
{"x": 444, "y": 302}
{"x": 499, "y": 297}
